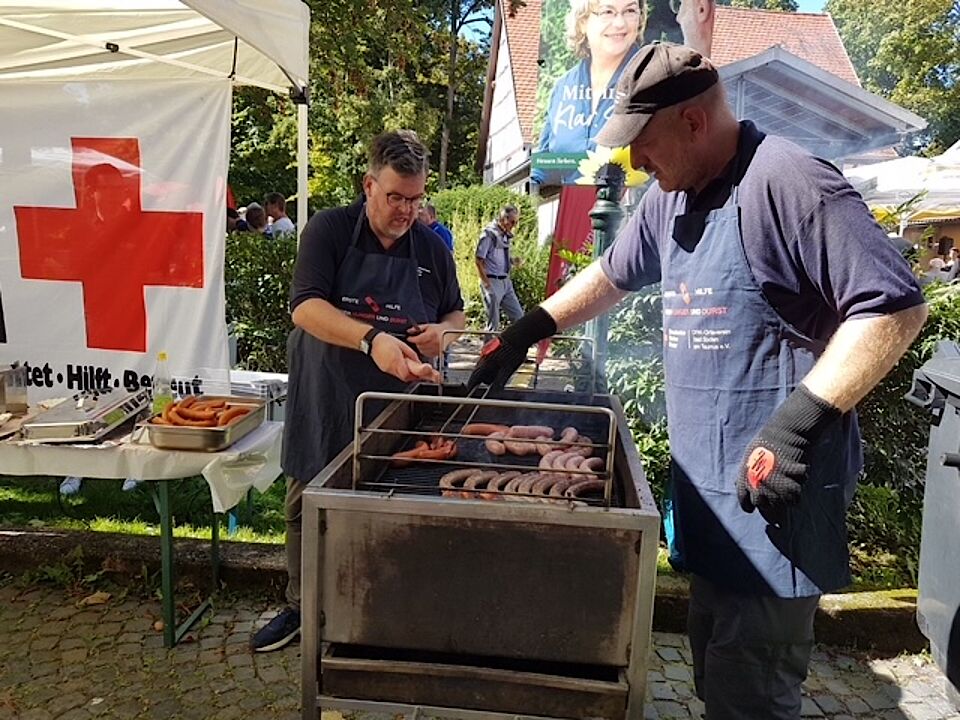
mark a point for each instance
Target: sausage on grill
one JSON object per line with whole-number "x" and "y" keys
{"x": 450, "y": 482}
{"x": 484, "y": 429}
{"x": 494, "y": 445}
{"x": 583, "y": 487}
{"x": 477, "y": 480}
{"x": 498, "y": 482}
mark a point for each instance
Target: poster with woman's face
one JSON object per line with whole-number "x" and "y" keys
{"x": 584, "y": 45}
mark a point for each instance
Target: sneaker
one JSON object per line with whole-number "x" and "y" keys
{"x": 70, "y": 485}
{"x": 277, "y": 633}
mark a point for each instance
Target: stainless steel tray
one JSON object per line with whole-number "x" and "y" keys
{"x": 208, "y": 439}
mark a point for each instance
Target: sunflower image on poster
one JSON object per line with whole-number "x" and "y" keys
{"x": 584, "y": 46}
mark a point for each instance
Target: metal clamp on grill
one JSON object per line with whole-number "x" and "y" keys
{"x": 479, "y": 448}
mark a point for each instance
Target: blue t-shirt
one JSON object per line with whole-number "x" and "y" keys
{"x": 444, "y": 232}
{"x": 814, "y": 248}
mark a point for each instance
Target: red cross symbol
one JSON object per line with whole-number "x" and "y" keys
{"x": 110, "y": 244}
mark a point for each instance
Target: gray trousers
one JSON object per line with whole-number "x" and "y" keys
{"x": 750, "y": 652}
{"x": 293, "y": 510}
{"x": 500, "y": 295}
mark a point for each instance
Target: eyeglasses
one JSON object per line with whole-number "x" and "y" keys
{"x": 397, "y": 200}
{"x": 608, "y": 14}
{"x": 675, "y": 6}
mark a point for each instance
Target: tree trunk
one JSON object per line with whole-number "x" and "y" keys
{"x": 451, "y": 93}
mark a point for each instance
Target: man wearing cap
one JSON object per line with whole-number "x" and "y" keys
{"x": 783, "y": 305}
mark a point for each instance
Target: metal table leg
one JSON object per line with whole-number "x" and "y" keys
{"x": 172, "y": 633}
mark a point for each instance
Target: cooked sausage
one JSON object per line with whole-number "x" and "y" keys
{"x": 569, "y": 435}
{"x": 493, "y": 444}
{"x": 560, "y": 461}
{"x": 546, "y": 481}
{"x": 210, "y": 404}
{"x": 193, "y": 413}
{"x": 498, "y": 482}
{"x": 559, "y": 487}
{"x": 513, "y": 486}
{"x": 594, "y": 464}
{"x": 573, "y": 462}
{"x": 158, "y": 420}
{"x": 484, "y": 429}
{"x": 455, "y": 479}
{"x": 176, "y": 419}
{"x": 477, "y": 480}
{"x": 583, "y": 447}
{"x": 546, "y": 462}
{"x": 400, "y": 459}
{"x": 583, "y": 487}
{"x": 186, "y": 402}
{"x": 525, "y": 487}
{"x": 231, "y": 413}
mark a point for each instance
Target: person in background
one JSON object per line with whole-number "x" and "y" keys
{"x": 494, "y": 263}
{"x": 604, "y": 36}
{"x": 696, "y": 20}
{"x": 233, "y": 220}
{"x": 275, "y": 206}
{"x": 374, "y": 294}
{"x": 428, "y": 216}
{"x": 784, "y": 304}
{"x": 256, "y": 218}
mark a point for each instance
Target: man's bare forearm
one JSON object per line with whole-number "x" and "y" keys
{"x": 322, "y": 320}
{"x": 587, "y": 295}
{"x": 861, "y": 353}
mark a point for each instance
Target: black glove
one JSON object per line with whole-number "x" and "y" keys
{"x": 774, "y": 465}
{"x": 500, "y": 357}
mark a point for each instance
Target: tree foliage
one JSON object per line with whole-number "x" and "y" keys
{"x": 909, "y": 52}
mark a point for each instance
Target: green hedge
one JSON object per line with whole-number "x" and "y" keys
{"x": 258, "y": 273}
{"x": 466, "y": 211}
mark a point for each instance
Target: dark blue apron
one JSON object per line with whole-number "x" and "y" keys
{"x": 324, "y": 380}
{"x": 730, "y": 360}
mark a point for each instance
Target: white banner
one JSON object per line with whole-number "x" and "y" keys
{"x": 112, "y": 217}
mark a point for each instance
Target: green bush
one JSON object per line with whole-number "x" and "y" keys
{"x": 258, "y": 273}
{"x": 466, "y": 211}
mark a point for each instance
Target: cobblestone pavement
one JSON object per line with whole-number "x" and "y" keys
{"x": 58, "y": 660}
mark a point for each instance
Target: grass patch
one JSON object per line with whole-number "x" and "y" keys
{"x": 102, "y": 506}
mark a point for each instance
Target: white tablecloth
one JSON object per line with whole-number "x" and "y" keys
{"x": 252, "y": 461}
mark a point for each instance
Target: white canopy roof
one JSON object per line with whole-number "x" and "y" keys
{"x": 895, "y": 182}
{"x": 256, "y": 42}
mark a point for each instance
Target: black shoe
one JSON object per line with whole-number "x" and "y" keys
{"x": 277, "y": 633}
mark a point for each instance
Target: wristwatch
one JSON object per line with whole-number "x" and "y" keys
{"x": 366, "y": 342}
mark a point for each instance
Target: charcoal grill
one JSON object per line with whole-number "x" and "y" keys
{"x": 423, "y": 604}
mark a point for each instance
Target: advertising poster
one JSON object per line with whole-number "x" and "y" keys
{"x": 584, "y": 46}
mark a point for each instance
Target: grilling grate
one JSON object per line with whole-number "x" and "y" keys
{"x": 445, "y": 417}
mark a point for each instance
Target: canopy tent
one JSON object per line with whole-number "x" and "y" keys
{"x": 264, "y": 43}
{"x": 895, "y": 182}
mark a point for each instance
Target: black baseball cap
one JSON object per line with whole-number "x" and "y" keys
{"x": 661, "y": 74}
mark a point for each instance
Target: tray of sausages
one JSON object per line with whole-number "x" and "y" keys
{"x": 206, "y": 423}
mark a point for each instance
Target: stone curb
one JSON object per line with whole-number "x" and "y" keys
{"x": 882, "y": 622}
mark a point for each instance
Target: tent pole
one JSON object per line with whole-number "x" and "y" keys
{"x": 301, "y": 169}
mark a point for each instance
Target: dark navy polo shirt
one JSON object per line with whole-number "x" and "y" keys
{"x": 323, "y": 247}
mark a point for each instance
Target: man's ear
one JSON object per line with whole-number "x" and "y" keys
{"x": 694, "y": 118}
{"x": 704, "y": 10}
{"x": 367, "y": 182}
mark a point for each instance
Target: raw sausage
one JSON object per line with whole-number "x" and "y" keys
{"x": 484, "y": 429}
{"x": 493, "y": 444}
{"x": 530, "y": 432}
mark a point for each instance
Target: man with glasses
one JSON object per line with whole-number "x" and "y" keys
{"x": 494, "y": 263}
{"x": 695, "y": 18}
{"x": 373, "y": 292}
